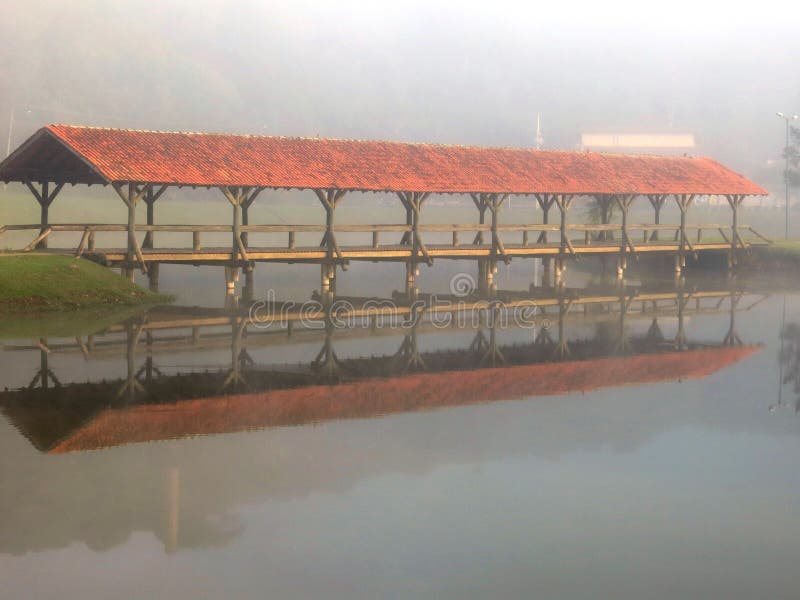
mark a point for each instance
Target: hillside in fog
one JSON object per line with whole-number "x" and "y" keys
{"x": 458, "y": 72}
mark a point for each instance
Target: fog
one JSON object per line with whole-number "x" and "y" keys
{"x": 452, "y": 72}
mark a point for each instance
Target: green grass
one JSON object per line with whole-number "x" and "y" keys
{"x": 36, "y": 283}
{"x": 781, "y": 251}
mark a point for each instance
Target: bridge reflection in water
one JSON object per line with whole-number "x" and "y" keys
{"x": 617, "y": 340}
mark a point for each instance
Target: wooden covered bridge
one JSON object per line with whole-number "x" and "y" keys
{"x": 140, "y": 165}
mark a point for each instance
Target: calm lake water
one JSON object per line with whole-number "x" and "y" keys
{"x": 622, "y": 443}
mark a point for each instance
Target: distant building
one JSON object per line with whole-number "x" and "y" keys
{"x": 644, "y": 143}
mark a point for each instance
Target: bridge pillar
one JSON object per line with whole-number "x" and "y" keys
{"x": 558, "y": 273}
{"x": 563, "y": 201}
{"x": 680, "y": 263}
{"x": 546, "y": 202}
{"x": 246, "y": 204}
{"x": 735, "y": 201}
{"x": 248, "y": 291}
{"x": 231, "y": 277}
{"x": 152, "y": 276}
{"x": 131, "y": 197}
{"x": 412, "y": 271}
{"x": 486, "y": 271}
{"x": 328, "y": 282}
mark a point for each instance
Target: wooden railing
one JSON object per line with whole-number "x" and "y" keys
{"x": 592, "y": 234}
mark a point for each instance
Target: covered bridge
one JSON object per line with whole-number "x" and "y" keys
{"x": 141, "y": 165}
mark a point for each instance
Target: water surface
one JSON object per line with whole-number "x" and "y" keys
{"x": 627, "y": 462}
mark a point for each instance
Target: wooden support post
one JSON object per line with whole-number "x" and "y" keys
{"x": 237, "y": 228}
{"x": 44, "y": 204}
{"x": 196, "y": 241}
{"x": 563, "y": 201}
{"x": 413, "y": 202}
{"x": 150, "y": 197}
{"x": 247, "y": 202}
{"x": 44, "y": 196}
{"x": 245, "y": 221}
{"x": 495, "y": 202}
{"x": 239, "y": 197}
{"x": 657, "y": 202}
{"x": 329, "y": 200}
{"x": 408, "y": 236}
{"x": 735, "y": 201}
{"x": 130, "y": 195}
{"x": 481, "y": 204}
{"x": 545, "y": 203}
{"x": 624, "y": 203}
{"x": 684, "y": 201}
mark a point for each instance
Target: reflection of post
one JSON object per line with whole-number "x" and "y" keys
{"x": 562, "y": 347}
{"x": 173, "y": 509}
{"x": 238, "y": 327}
{"x": 732, "y": 337}
{"x": 44, "y": 375}
{"x": 680, "y": 337}
{"x": 654, "y": 334}
{"x": 326, "y": 362}
{"x": 131, "y": 385}
{"x": 408, "y": 356}
{"x": 625, "y": 301}
{"x": 493, "y": 355}
{"x": 131, "y": 337}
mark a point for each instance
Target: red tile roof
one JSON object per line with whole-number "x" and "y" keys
{"x": 375, "y": 397}
{"x": 202, "y": 159}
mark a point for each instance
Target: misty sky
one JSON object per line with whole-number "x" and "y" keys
{"x": 453, "y": 72}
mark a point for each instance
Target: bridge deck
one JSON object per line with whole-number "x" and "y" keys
{"x": 224, "y": 255}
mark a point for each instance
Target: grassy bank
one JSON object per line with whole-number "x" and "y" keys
{"x": 35, "y": 283}
{"x": 783, "y": 252}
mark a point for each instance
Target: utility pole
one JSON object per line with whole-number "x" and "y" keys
{"x": 786, "y": 119}
{"x": 539, "y": 136}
